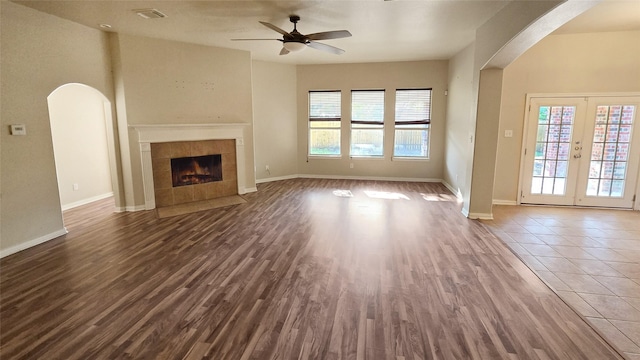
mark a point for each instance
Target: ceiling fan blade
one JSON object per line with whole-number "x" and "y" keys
{"x": 325, "y": 47}
{"x": 326, "y": 35}
{"x": 274, "y": 28}
{"x": 254, "y": 39}
{"x": 284, "y": 51}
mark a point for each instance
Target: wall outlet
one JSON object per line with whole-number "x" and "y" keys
{"x": 350, "y": 165}
{"x": 75, "y": 187}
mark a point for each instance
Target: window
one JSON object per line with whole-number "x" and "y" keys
{"x": 324, "y": 123}
{"x": 367, "y": 122}
{"x": 413, "y": 118}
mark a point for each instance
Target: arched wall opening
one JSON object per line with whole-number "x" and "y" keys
{"x": 81, "y": 122}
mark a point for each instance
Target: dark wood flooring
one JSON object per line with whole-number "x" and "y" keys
{"x": 393, "y": 272}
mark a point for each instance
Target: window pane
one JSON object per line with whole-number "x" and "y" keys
{"x": 536, "y": 185}
{"x": 538, "y": 166}
{"x": 547, "y": 186}
{"x": 592, "y": 187}
{"x": 617, "y": 188}
{"x": 367, "y": 106}
{"x": 324, "y": 141}
{"x": 559, "y": 186}
{"x": 543, "y": 115}
{"x": 324, "y": 122}
{"x": 412, "y": 119}
{"x": 561, "y": 169}
{"x": 367, "y": 122}
{"x": 414, "y": 142}
{"x": 605, "y": 188}
{"x": 366, "y": 142}
{"x": 552, "y": 151}
{"x": 324, "y": 104}
{"x": 610, "y": 150}
{"x": 413, "y": 105}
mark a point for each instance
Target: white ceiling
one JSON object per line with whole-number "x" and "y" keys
{"x": 400, "y": 30}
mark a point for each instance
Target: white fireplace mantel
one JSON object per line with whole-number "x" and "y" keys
{"x": 148, "y": 134}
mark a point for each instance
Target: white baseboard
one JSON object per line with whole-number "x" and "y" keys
{"x": 480, "y": 216}
{"x": 504, "y": 202}
{"x": 374, "y": 178}
{"x": 276, "y": 178}
{"x": 346, "y": 177}
{"x": 32, "y": 243}
{"x": 250, "y": 190}
{"x": 86, "y": 201}
{"x": 453, "y": 190}
{"x": 135, "y": 208}
{"x": 465, "y": 212}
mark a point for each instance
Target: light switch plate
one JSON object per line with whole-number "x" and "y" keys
{"x": 508, "y": 133}
{"x": 18, "y": 129}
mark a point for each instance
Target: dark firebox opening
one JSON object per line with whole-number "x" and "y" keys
{"x": 196, "y": 170}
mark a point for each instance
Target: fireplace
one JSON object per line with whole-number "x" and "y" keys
{"x": 189, "y": 171}
{"x": 186, "y": 140}
{"x": 193, "y": 170}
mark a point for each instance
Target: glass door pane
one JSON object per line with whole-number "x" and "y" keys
{"x": 553, "y": 144}
{"x": 610, "y": 150}
{"x": 549, "y": 166}
{"x": 608, "y": 177}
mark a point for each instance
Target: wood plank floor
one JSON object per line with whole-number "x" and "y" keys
{"x": 300, "y": 271}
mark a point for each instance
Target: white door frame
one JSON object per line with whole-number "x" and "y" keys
{"x": 636, "y": 205}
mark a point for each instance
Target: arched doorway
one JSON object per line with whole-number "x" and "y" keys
{"x": 80, "y": 118}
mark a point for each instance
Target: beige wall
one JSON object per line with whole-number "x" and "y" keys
{"x": 167, "y": 82}
{"x": 459, "y": 109}
{"x": 499, "y": 42}
{"x": 80, "y": 144}
{"x": 387, "y": 76}
{"x": 39, "y": 53}
{"x": 275, "y": 125}
{"x": 577, "y": 63}
{"x": 484, "y": 155}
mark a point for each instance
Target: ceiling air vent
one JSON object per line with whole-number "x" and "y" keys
{"x": 150, "y": 13}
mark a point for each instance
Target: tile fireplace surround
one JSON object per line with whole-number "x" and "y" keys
{"x": 195, "y": 135}
{"x": 167, "y": 195}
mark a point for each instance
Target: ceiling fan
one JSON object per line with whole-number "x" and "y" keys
{"x": 295, "y": 41}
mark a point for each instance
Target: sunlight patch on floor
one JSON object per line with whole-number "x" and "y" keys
{"x": 343, "y": 193}
{"x": 439, "y": 197}
{"x": 386, "y": 195}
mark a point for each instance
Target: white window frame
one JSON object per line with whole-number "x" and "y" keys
{"x": 416, "y": 121}
{"x": 360, "y": 122}
{"x": 327, "y": 118}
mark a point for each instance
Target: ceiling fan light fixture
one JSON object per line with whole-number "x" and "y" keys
{"x": 294, "y": 46}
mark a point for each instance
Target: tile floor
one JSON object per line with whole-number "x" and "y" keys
{"x": 589, "y": 257}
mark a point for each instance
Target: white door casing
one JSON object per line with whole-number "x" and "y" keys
{"x": 580, "y": 150}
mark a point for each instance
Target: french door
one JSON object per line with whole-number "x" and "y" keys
{"x": 581, "y": 151}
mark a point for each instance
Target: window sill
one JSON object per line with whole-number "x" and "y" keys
{"x": 324, "y": 157}
{"x": 409, "y": 158}
{"x": 365, "y": 157}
